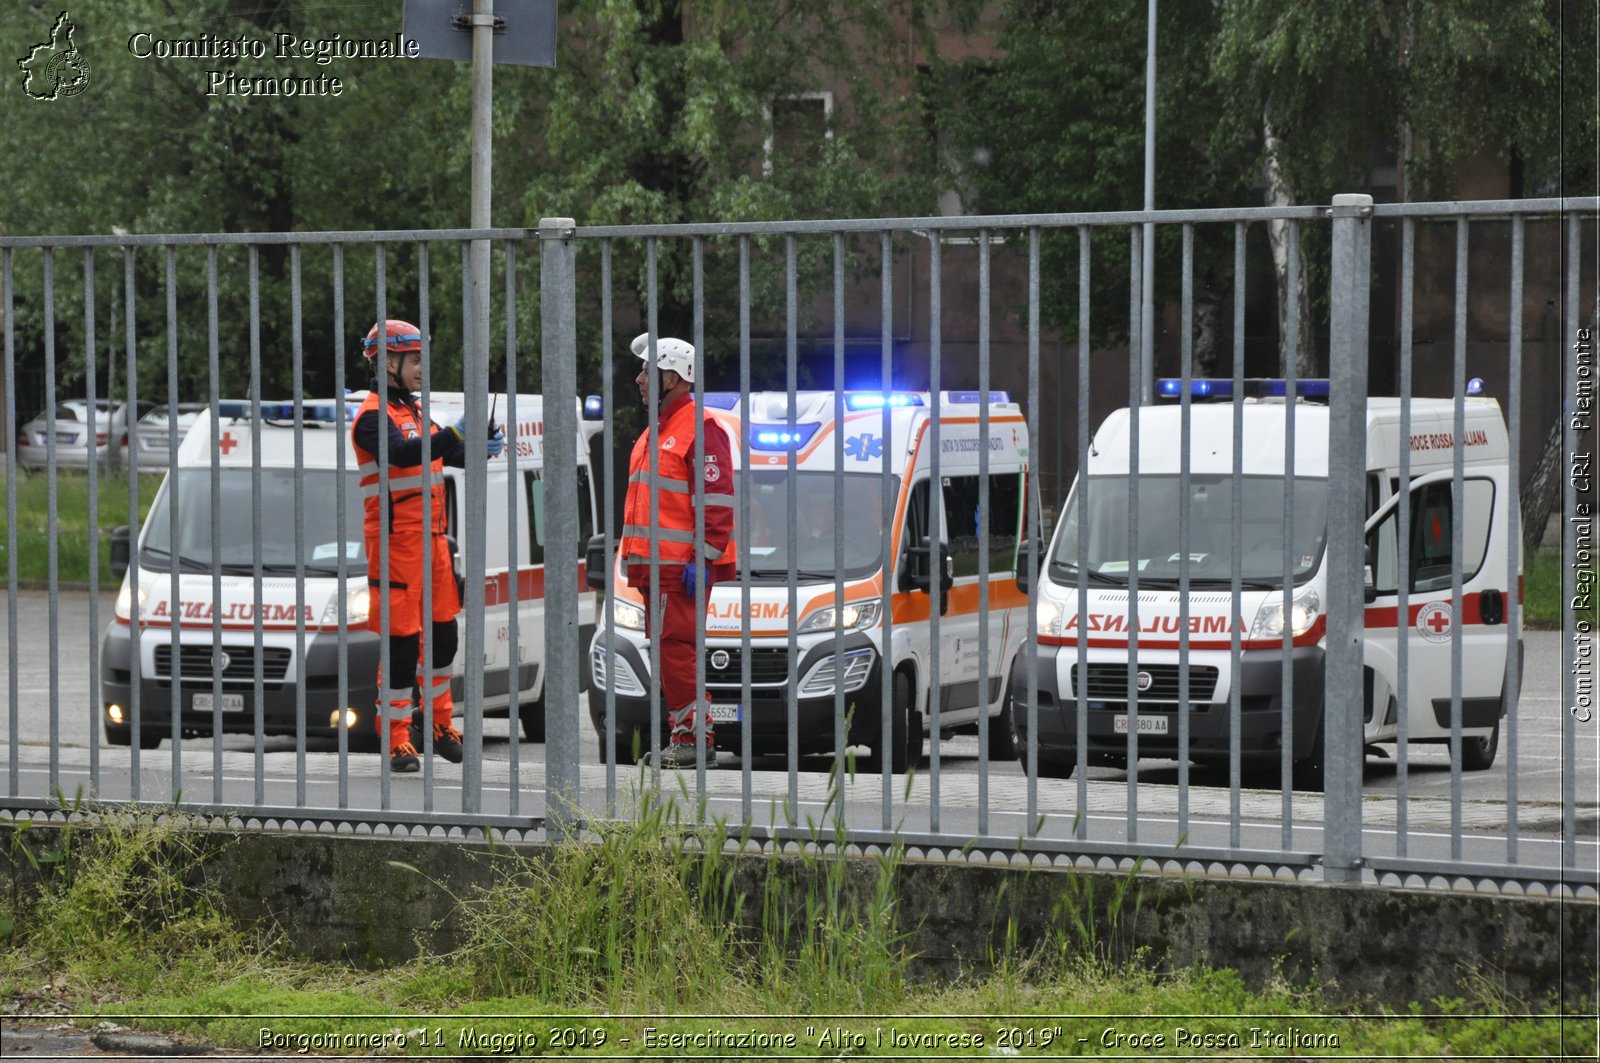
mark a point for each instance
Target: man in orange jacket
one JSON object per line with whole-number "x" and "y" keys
{"x": 670, "y": 475}
{"x": 392, "y": 495}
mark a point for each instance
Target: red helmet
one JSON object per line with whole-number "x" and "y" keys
{"x": 400, "y": 337}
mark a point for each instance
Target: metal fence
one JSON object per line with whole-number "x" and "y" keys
{"x": 817, "y": 750}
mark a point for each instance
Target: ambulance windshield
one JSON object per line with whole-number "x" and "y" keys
{"x": 1210, "y": 542}
{"x": 814, "y": 558}
{"x": 235, "y": 553}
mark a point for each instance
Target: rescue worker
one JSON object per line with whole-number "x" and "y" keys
{"x": 393, "y": 498}
{"x": 683, "y": 570}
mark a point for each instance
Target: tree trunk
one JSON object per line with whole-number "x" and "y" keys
{"x": 1279, "y": 194}
{"x": 1541, "y": 490}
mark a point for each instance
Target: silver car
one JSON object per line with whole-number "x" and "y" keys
{"x": 78, "y": 435}
{"x": 153, "y": 437}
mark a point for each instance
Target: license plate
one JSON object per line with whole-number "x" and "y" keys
{"x": 66, "y": 437}
{"x": 230, "y": 703}
{"x": 1148, "y": 725}
{"x": 726, "y": 713}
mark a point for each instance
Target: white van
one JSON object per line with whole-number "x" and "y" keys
{"x": 802, "y": 459}
{"x": 1096, "y": 521}
{"x": 318, "y": 612}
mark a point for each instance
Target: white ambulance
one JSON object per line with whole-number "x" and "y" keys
{"x": 284, "y": 613}
{"x": 799, "y": 456}
{"x": 1095, "y": 525}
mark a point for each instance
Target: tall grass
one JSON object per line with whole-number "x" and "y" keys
{"x": 72, "y": 521}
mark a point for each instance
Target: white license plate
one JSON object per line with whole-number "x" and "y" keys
{"x": 66, "y": 437}
{"x": 230, "y": 703}
{"x": 1148, "y": 725}
{"x": 726, "y": 713}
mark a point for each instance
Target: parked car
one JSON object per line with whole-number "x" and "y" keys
{"x": 150, "y": 438}
{"x": 105, "y": 434}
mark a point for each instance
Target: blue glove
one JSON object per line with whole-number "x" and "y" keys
{"x": 460, "y": 427}
{"x": 497, "y": 443}
{"x": 691, "y": 578}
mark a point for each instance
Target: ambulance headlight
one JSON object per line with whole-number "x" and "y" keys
{"x": 629, "y": 617}
{"x": 1303, "y": 612}
{"x": 856, "y": 615}
{"x": 124, "y": 606}
{"x": 1047, "y": 616}
{"x": 359, "y": 599}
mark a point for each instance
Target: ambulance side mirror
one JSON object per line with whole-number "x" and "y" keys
{"x": 1024, "y": 582}
{"x": 1369, "y": 585}
{"x": 595, "y": 563}
{"x": 917, "y": 573}
{"x": 121, "y": 551}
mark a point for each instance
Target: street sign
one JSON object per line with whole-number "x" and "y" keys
{"x": 524, "y": 31}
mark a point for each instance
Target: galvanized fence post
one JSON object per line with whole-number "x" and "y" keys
{"x": 1347, "y": 433}
{"x": 558, "y": 316}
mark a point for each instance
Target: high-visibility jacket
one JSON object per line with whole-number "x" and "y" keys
{"x": 674, "y": 491}
{"x": 397, "y": 496}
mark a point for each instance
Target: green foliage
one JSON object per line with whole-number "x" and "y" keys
{"x": 71, "y": 532}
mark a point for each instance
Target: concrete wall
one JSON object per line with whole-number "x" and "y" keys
{"x": 339, "y": 898}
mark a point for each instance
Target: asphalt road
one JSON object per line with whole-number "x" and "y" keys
{"x": 53, "y": 749}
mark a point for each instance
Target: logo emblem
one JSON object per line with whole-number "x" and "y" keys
{"x": 1144, "y": 681}
{"x": 864, "y": 447}
{"x": 223, "y": 660}
{"x": 1433, "y": 622}
{"x": 713, "y": 472}
{"x": 55, "y": 68}
{"x": 720, "y": 659}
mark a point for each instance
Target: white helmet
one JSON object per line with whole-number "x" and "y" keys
{"x": 672, "y": 354}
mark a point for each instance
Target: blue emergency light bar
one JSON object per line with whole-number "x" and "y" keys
{"x": 877, "y": 400}
{"x": 975, "y": 398}
{"x": 594, "y": 408}
{"x": 1171, "y": 388}
{"x": 722, "y": 400}
{"x": 781, "y": 436}
{"x": 284, "y": 411}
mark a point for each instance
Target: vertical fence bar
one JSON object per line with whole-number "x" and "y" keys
{"x": 13, "y": 691}
{"x": 1458, "y": 378}
{"x": 983, "y": 531}
{"x": 1351, "y": 265}
{"x": 838, "y": 522}
{"x": 886, "y": 500}
{"x": 558, "y": 315}
{"x": 52, "y": 519}
{"x": 135, "y": 617}
{"x": 341, "y": 446}
{"x": 608, "y": 749}
{"x": 1291, "y": 360}
{"x": 1034, "y": 561}
{"x": 256, "y": 520}
{"x": 743, "y": 535}
{"x": 1185, "y": 464}
{"x": 1131, "y": 670}
{"x": 702, "y": 708}
{"x": 513, "y": 580}
{"x": 791, "y": 354}
{"x": 474, "y": 513}
{"x": 388, "y": 683}
{"x": 175, "y": 555}
{"x": 297, "y": 377}
{"x": 92, "y": 474}
{"x": 1408, "y": 248}
{"x": 422, "y": 670}
{"x": 935, "y": 677}
{"x": 213, "y": 359}
{"x": 1236, "y": 526}
{"x": 652, "y": 414}
{"x": 1080, "y": 673}
{"x": 1513, "y": 681}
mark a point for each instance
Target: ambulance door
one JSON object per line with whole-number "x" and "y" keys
{"x": 1428, "y": 626}
{"x": 963, "y": 670}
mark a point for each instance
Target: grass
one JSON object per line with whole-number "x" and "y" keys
{"x": 1543, "y": 605}
{"x": 642, "y": 928}
{"x": 72, "y": 522}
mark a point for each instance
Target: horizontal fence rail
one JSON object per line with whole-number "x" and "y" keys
{"x": 1200, "y": 630}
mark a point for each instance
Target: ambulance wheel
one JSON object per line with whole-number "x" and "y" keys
{"x": 1049, "y": 766}
{"x": 1003, "y": 731}
{"x": 1477, "y": 754}
{"x": 1310, "y": 771}
{"x": 532, "y": 715}
{"x": 625, "y": 748}
{"x": 905, "y": 732}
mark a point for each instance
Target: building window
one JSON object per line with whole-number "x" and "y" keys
{"x": 797, "y": 127}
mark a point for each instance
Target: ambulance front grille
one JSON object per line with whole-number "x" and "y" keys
{"x": 769, "y": 666}
{"x": 1109, "y": 682}
{"x": 239, "y": 669}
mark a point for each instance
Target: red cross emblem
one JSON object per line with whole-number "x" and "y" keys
{"x": 227, "y": 443}
{"x": 1439, "y": 622}
{"x": 1433, "y": 621}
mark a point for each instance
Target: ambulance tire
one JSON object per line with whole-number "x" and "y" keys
{"x": 1310, "y": 771}
{"x": 1049, "y": 767}
{"x": 625, "y": 753}
{"x": 905, "y": 732}
{"x": 532, "y": 716}
{"x": 1003, "y": 731}
{"x": 1477, "y": 754}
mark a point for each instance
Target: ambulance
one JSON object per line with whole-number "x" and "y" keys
{"x": 797, "y": 451}
{"x": 1094, "y": 530}
{"x": 175, "y": 644}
